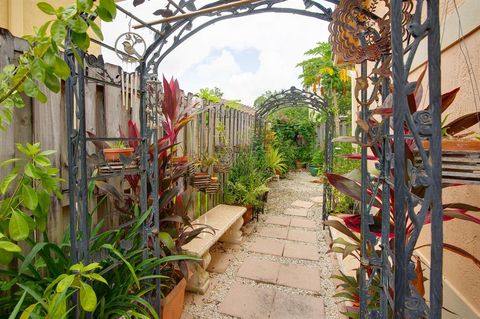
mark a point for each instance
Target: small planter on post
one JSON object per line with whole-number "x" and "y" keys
{"x": 113, "y": 154}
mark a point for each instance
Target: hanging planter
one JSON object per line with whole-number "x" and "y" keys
{"x": 200, "y": 180}
{"x": 180, "y": 160}
{"x": 214, "y": 186}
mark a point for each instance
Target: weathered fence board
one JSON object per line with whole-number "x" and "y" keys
{"x": 105, "y": 114}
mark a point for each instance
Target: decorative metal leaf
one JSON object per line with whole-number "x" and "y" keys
{"x": 137, "y": 2}
{"x": 164, "y": 13}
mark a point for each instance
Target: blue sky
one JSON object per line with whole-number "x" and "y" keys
{"x": 244, "y": 57}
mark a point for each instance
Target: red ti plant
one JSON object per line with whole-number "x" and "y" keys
{"x": 351, "y": 185}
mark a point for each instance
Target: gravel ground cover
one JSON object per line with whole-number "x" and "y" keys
{"x": 297, "y": 186}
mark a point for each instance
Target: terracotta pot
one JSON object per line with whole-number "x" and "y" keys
{"x": 299, "y": 164}
{"x": 113, "y": 154}
{"x": 172, "y": 304}
{"x": 456, "y": 145}
{"x": 248, "y": 215}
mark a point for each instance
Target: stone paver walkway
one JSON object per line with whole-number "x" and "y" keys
{"x": 281, "y": 270}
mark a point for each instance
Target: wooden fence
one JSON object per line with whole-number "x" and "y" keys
{"x": 105, "y": 114}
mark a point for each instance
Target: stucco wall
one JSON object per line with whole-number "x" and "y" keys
{"x": 461, "y": 273}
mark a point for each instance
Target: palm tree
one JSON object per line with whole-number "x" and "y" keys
{"x": 321, "y": 75}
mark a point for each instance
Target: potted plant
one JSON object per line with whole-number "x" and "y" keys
{"x": 316, "y": 163}
{"x": 246, "y": 184}
{"x": 113, "y": 153}
{"x": 201, "y": 177}
{"x": 275, "y": 161}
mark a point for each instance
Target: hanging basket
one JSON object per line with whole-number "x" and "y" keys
{"x": 200, "y": 180}
{"x": 213, "y": 187}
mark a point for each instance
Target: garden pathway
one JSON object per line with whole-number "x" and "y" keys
{"x": 282, "y": 268}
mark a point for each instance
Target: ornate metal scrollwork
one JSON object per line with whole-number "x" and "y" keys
{"x": 352, "y": 18}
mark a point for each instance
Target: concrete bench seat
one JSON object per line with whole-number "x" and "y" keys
{"x": 226, "y": 220}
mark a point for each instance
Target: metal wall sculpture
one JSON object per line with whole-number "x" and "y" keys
{"x": 403, "y": 200}
{"x": 296, "y": 98}
{"x": 361, "y": 36}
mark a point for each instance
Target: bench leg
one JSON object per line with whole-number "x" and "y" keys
{"x": 199, "y": 279}
{"x": 233, "y": 234}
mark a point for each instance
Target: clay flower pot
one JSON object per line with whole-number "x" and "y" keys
{"x": 248, "y": 215}
{"x": 299, "y": 164}
{"x": 172, "y": 304}
{"x": 113, "y": 154}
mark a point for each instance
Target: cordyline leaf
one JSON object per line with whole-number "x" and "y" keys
{"x": 456, "y": 250}
{"x": 359, "y": 156}
{"x": 418, "y": 282}
{"x": 462, "y": 123}
{"x": 462, "y": 206}
{"x": 363, "y": 125}
{"x": 133, "y": 133}
{"x": 342, "y": 228}
{"x": 353, "y": 222}
{"x": 383, "y": 111}
{"x": 99, "y": 144}
{"x": 459, "y": 214}
{"x": 349, "y": 187}
{"x": 447, "y": 99}
{"x": 416, "y": 96}
{"x": 170, "y": 102}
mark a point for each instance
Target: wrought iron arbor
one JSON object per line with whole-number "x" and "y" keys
{"x": 296, "y": 98}
{"x": 390, "y": 43}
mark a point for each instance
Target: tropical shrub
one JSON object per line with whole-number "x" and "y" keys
{"x": 275, "y": 161}
{"x": 246, "y": 181}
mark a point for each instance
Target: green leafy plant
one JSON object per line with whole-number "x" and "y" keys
{"x": 42, "y": 62}
{"x": 118, "y": 144}
{"x": 275, "y": 161}
{"x": 246, "y": 182}
{"x": 53, "y": 301}
{"x": 26, "y": 196}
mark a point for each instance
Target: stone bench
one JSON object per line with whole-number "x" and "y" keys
{"x": 226, "y": 220}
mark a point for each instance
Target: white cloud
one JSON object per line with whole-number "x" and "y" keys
{"x": 280, "y": 40}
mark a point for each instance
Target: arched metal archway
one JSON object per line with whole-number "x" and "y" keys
{"x": 178, "y": 23}
{"x": 296, "y": 98}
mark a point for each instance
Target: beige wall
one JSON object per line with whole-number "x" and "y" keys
{"x": 20, "y": 16}
{"x": 461, "y": 273}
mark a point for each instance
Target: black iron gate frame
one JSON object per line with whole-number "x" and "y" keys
{"x": 394, "y": 266}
